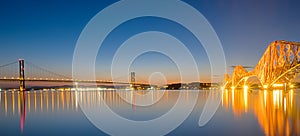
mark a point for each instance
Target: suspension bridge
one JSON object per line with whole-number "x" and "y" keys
{"x": 22, "y": 72}
{"x": 278, "y": 66}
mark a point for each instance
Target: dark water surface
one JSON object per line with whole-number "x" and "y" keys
{"x": 241, "y": 112}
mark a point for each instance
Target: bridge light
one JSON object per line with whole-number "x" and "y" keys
{"x": 265, "y": 86}
{"x": 222, "y": 88}
{"x": 277, "y": 85}
{"x": 245, "y": 87}
{"x": 232, "y": 87}
{"x": 292, "y": 86}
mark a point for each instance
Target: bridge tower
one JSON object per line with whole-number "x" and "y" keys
{"x": 132, "y": 77}
{"x": 22, "y": 74}
{"x": 132, "y": 80}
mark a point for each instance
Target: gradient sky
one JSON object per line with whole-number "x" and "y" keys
{"x": 45, "y": 33}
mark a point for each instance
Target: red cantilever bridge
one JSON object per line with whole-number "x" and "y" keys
{"x": 278, "y": 65}
{"x": 15, "y": 71}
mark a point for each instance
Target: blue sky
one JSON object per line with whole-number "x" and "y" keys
{"x": 45, "y": 32}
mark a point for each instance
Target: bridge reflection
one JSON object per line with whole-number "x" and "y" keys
{"x": 16, "y": 103}
{"x": 277, "y": 111}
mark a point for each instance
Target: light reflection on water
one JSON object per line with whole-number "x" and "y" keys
{"x": 276, "y": 112}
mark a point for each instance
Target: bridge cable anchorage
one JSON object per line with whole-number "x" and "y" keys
{"x": 279, "y": 64}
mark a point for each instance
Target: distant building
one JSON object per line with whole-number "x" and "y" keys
{"x": 192, "y": 86}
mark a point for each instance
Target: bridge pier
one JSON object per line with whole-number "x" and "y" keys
{"x": 22, "y": 75}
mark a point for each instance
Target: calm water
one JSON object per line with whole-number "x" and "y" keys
{"x": 241, "y": 112}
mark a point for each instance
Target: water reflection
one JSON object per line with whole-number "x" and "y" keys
{"x": 37, "y": 101}
{"x": 15, "y": 104}
{"x": 277, "y": 111}
{"x": 22, "y": 98}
